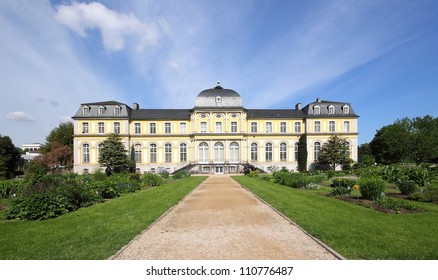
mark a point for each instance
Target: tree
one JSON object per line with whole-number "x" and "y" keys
{"x": 113, "y": 155}
{"x": 58, "y": 149}
{"x": 63, "y": 134}
{"x": 365, "y": 156}
{"x": 407, "y": 140}
{"x": 391, "y": 143}
{"x": 302, "y": 153}
{"x": 9, "y": 157}
{"x": 335, "y": 152}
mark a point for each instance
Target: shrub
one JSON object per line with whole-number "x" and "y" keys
{"x": 152, "y": 179}
{"x": 343, "y": 183}
{"x": 396, "y": 204}
{"x": 181, "y": 175}
{"x": 9, "y": 188}
{"x": 372, "y": 188}
{"x": 427, "y": 195}
{"x": 164, "y": 174}
{"x": 254, "y": 173}
{"x": 39, "y": 206}
{"x": 406, "y": 187}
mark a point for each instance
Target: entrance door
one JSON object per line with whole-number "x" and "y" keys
{"x": 219, "y": 170}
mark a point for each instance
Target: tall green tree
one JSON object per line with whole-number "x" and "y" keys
{"x": 58, "y": 149}
{"x": 365, "y": 156}
{"x": 113, "y": 155}
{"x": 62, "y": 134}
{"x": 335, "y": 152}
{"x": 9, "y": 157}
{"x": 302, "y": 153}
{"x": 391, "y": 143}
{"x": 414, "y": 140}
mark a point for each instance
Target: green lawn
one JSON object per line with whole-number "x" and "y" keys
{"x": 354, "y": 231}
{"x": 96, "y": 232}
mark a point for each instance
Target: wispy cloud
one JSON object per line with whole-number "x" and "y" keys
{"x": 19, "y": 116}
{"x": 113, "y": 25}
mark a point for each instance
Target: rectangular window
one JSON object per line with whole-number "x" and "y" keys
{"x": 86, "y": 111}
{"x": 101, "y": 127}
{"x": 117, "y": 110}
{"x": 152, "y": 128}
{"x": 317, "y": 126}
{"x": 117, "y": 128}
{"x": 297, "y": 127}
{"x": 268, "y": 127}
{"x": 203, "y": 127}
{"x": 233, "y": 126}
{"x": 167, "y": 128}
{"x": 332, "y": 126}
{"x": 85, "y": 127}
{"x": 346, "y": 126}
{"x": 283, "y": 127}
{"x": 253, "y": 127}
{"x": 137, "y": 128}
{"x": 182, "y": 128}
{"x": 218, "y": 127}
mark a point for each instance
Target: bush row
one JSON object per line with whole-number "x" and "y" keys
{"x": 53, "y": 195}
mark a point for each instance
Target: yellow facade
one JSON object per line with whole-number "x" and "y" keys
{"x": 216, "y": 136}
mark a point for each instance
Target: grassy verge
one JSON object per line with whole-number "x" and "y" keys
{"x": 96, "y": 232}
{"x": 354, "y": 231}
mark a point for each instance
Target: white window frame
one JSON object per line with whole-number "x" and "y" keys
{"x": 167, "y": 128}
{"x": 233, "y": 127}
{"x": 153, "y": 152}
{"x": 183, "y": 128}
{"x": 268, "y": 151}
{"x": 332, "y": 126}
{"x": 117, "y": 128}
{"x": 152, "y": 128}
{"x": 183, "y": 152}
{"x": 268, "y": 127}
{"x": 253, "y": 127}
{"x": 85, "y": 128}
{"x": 137, "y": 153}
{"x": 137, "y": 128}
{"x": 346, "y": 126}
{"x": 203, "y": 127}
{"x": 283, "y": 127}
{"x": 317, "y": 126}
{"x": 283, "y": 151}
{"x": 297, "y": 127}
{"x": 168, "y": 153}
{"x": 101, "y": 127}
{"x": 218, "y": 127}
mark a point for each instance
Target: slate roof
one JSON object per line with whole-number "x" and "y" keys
{"x": 324, "y": 104}
{"x": 160, "y": 114}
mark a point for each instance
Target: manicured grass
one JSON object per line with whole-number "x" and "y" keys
{"x": 96, "y": 232}
{"x": 354, "y": 231}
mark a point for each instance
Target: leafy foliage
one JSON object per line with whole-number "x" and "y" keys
{"x": 335, "y": 152}
{"x": 407, "y": 140}
{"x": 181, "y": 175}
{"x": 341, "y": 186}
{"x": 296, "y": 180}
{"x": 372, "y": 188}
{"x": 113, "y": 155}
{"x": 406, "y": 187}
{"x": 152, "y": 179}
{"x": 247, "y": 168}
{"x": 302, "y": 153}
{"x": 9, "y": 157}
{"x": 396, "y": 204}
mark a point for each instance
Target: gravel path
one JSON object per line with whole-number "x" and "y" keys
{"x": 220, "y": 220}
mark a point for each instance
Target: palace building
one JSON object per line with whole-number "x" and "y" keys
{"x": 218, "y": 135}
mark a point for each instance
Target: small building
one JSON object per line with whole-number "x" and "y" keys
{"x": 218, "y": 135}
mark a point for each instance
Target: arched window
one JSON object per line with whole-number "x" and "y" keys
{"x": 203, "y": 152}
{"x": 183, "y": 152}
{"x": 137, "y": 152}
{"x": 268, "y": 152}
{"x": 85, "y": 153}
{"x": 168, "y": 153}
{"x": 316, "y": 149}
{"x": 345, "y": 110}
{"x": 153, "y": 152}
{"x": 316, "y": 110}
{"x": 283, "y": 151}
{"x": 254, "y": 152}
{"x": 331, "y": 110}
{"x": 234, "y": 152}
{"x": 296, "y": 149}
{"x": 219, "y": 152}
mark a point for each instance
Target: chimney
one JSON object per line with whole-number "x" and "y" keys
{"x": 298, "y": 106}
{"x": 136, "y": 106}
{"x": 318, "y": 100}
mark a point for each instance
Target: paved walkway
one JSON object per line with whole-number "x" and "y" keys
{"x": 221, "y": 220}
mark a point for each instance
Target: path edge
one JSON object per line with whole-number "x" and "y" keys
{"x": 328, "y": 248}
{"x": 124, "y": 247}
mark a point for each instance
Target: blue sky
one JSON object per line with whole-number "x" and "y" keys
{"x": 382, "y": 56}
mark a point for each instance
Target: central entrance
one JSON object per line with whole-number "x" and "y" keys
{"x": 219, "y": 170}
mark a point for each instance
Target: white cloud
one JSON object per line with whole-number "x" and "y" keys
{"x": 113, "y": 25}
{"x": 19, "y": 116}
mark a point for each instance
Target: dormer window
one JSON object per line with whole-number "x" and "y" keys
{"x": 86, "y": 111}
{"x": 101, "y": 110}
{"x": 331, "y": 110}
{"x": 117, "y": 111}
{"x": 316, "y": 110}
{"x": 218, "y": 99}
{"x": 345, "y": 110}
